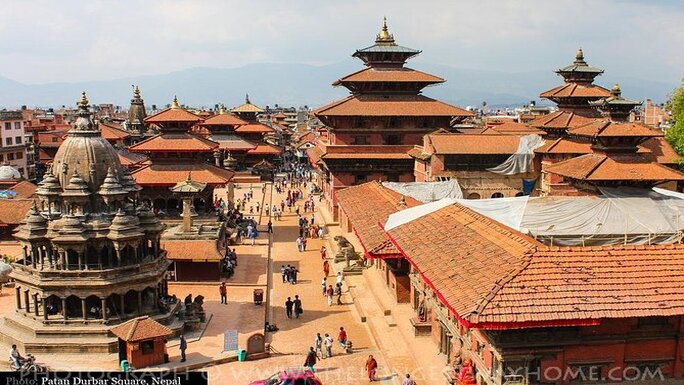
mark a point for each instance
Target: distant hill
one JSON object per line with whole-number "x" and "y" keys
{"x": 301, "y": 84}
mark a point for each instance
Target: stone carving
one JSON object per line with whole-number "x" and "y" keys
{"x": 256, "y": 343}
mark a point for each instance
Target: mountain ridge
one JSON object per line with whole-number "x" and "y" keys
{"x": 293, "y": 84}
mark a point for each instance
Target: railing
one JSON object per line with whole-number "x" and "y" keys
{"x": 114, "y": 272}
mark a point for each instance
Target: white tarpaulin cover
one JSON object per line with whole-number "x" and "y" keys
{"x": 5, "y": 269}
{"x": 521, "y": 161}
{"x": 625, "y": 215}
{"x": 427, "y": 191}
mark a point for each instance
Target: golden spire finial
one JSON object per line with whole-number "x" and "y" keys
{"x": 189, "y": 176}
{"x": 579, "y": 56}
{"x": 247, "y": 99}
{"x": 174, "y": 104}
{"x": 136, "y": 92}
{"x": 616, "y": 90}
{"x": 384, "y": 36}
{"x": 84, "y": 100}
{"x": 222, "y": 109}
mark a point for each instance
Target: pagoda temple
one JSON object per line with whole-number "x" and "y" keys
{"x": 233, "y": 148}
{"x": 573, "y": 98}
{"x": 258, "y": 133}
{"x": 91, "y": 252}
{"x": 175, "y": 152}
{"x": 371, "y": 130}
{"x": 614, "y": 158}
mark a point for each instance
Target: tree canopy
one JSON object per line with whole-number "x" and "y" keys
{"x": 675, "y": 134}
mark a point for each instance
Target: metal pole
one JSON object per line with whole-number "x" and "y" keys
{"x": 269, "y": 269}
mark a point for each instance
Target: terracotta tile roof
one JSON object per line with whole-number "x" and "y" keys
{"x": 366, "y": 205}
{"x": 569, "y": 90}
{"x": 472, "y": 144}
{"x": 418, "y": 153}
{"x": 592, "y": 283}
{"x": 463, "y": 255}
{"x": 512, "y": 128}
{"x": 660, "y": 150}
{"x": 232, "y": 142}
{"x": 24, "y": 189}
{"x": 139, "y": 329}
{"x": 394, "y": 105}
{"x": 223, "y": 120}
{"x": 492, "y": 277}
{"x": 254, "y": 128}
{"x": 265, "y": 149}
{"x": 314, "y": 154}
{"x": 600, "y": 167}
{"x": 128, "y": 158}
{"x": 173, "y": 115}
{"x": 279, "y": 115}
{"x": 168, "y": 174}
{"x": 13, "y": 211}
{"x": 175, "y": 142}
{"x": 205, "y": 250}
{"x": 247, "y": 107}
{"x": 605, "y": 128}
{"x": 404, "y": 74}
{"x": 559, "y": 120}
{"x": 565, "y": 146}
{"x": 45, "y": 156}
{"x": 112, "y": 132}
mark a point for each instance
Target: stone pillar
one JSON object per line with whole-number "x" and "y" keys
{"x": 80, "y": 260}
{"x": 64, "y": 309}
{"x": 187, "y": 215}
{"x": 34, "y": 256}
{"x": 104, "y": 309}
{"x": 84, "y": 308}
{"x": 45, "y": 311}
{"x": 27, "y": 301}
{"x": 18, "y": 294}
{"x": 62, "y": 254}
{"x": 35, "y": 304}
{"x": 140, "y": 309}
{"x": 118, "y": 256}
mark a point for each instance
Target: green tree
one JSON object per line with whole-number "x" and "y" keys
{"x": 675, "y": 105}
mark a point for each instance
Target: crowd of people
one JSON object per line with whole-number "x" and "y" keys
{"x": 316, "y": 351}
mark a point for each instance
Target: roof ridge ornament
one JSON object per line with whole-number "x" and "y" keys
{"x": 174, "y": 103}
{"x": 579, "y": 57}
{"x": 247, "y": 99}
{"x": 384, "y": 37}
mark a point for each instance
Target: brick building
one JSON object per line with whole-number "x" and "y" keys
{"x": 13, "y": 144}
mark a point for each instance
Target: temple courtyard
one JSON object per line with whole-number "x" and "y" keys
{"x": 384, "y": 336}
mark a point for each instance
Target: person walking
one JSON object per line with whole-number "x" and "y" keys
{"x": 323, "y": 252}
{"x": 318, "y": 345}
{"x": 339, "y": 278}
{"x": 342, "y": 338}
{"x": 182, "y": 346}
{"x": 328, "y": 342}
{"x": 288, "y": 307}
{"x": 270, "y": 227}
{"x": 330, "y": 292}
{"x": 298, "y": 307}
{"x": 371, "y": 367}
{"x": 324, "y": 285}
{"x": 408, "y": 380}
{"x": 338, "y": 292}
{"x": 223, "y": 291}
{"x": 326, "y": 268}
{"x": 311, "y": 358}
{"x": 283, "y": 273}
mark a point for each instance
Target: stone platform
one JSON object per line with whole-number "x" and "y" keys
{"x": 33, "y": 336}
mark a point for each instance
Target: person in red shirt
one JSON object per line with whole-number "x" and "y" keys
{"x": 223, "y": 292}
{"x": 371, "y": 367}
{"x": 342, "y": 338}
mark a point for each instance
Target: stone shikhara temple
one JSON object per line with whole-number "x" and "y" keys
{"x": 91, "y": 252}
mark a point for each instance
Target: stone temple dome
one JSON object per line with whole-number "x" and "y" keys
{"x": 8, "y": 172}
{"x": 85, "y": 152}
{"x": 91, "y": 254}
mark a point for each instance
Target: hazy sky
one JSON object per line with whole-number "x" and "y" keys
{"x": 46, "y": 41}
